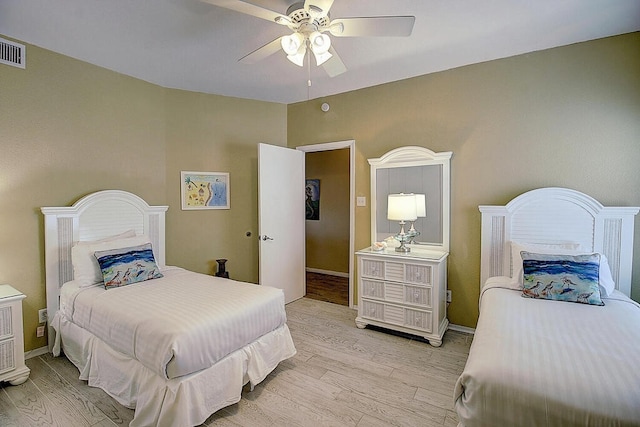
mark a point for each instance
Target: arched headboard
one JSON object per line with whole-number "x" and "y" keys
{"x": 95, "y": 216}
{"x": 552, "y": 215}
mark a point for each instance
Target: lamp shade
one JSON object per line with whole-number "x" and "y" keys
{"x": 320, "y": 43}
{"x": 421, "y": 206}
{"x": 401, "y": 207}
{"x": 291, "y": 44}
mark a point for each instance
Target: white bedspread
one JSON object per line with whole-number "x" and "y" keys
{"x": 550, "y": 363}
{"x": 203, "y": 318}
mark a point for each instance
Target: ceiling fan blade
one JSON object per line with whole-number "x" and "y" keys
{"x": 262, "y": 52}
{"x": 334, "y": 66}
{"x": 374, "y": 26}
{"x": 250, "y": 9}
{"x": 323, "y": 5}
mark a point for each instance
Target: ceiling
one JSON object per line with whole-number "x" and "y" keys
{"x": 195, "y": 46}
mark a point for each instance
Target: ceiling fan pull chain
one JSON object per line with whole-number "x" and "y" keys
{"x": 308, "y": 77}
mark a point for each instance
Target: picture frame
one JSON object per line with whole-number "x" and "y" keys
{"x": 312, "y": 199}
{"x": 204, "y": 190}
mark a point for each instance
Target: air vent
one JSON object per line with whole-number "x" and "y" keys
{"x": 12, "y": 53}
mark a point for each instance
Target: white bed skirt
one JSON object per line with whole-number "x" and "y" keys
{"x": 185, "y": 401}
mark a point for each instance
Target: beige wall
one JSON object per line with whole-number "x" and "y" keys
{"x": 218, "y": 134}
{"x": 327, "y": 240}
{"x": 68, "y": 128}
{"x": 565, "y": 117}
{"x": 568, "y": 117}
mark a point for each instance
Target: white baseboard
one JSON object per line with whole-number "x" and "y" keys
{"x": 459, "y": 328}
{"x": 327, "y": 272}
{"x": 36, "y": 352}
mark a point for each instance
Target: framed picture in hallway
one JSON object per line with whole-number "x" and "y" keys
{"x": 204, "y": 190}
{"x": 312, "y": 199}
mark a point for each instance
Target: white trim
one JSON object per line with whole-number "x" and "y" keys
{"x": 463, "y": 329}
{"x": 327, "y": 272}
{"x": 351, "y": 145}
{"x": 36, "y": 352}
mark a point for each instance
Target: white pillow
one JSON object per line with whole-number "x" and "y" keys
{"x": 86, "y": 270}
{"x": 123, "y": 235}
{"x": 605, "y": 280}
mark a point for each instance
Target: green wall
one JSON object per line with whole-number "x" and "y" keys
{"x": 68, "y": 128}
{"x": 567, "y": 117}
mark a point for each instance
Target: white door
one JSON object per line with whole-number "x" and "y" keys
{"x": 281, "y": 219}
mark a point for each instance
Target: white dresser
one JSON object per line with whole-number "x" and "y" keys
{"x": 403, "y": 291}
{"x": 12, "y": 367}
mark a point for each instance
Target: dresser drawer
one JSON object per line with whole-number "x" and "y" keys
{"x": 418, "y": 319}
{"x": 7, "y": 353}
{"x": 418, "y": 274}
{"x": 6, "y": 324}
{"x": 372, "y": 268}
{"x": 373, "y": 310}
{"x": 372, "y": 289}
{"x": 417, "y": 295}
{"x": 397, "y": 315}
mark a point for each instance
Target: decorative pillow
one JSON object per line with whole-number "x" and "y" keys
{"x": 124, "y": 266}
{"x": 606, "y": 283}
{"x": 86, "y": 270}
{"x": 572, "y": 278}
{"x": 567, "y": 248}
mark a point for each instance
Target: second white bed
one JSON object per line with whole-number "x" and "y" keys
{"x": 545, "y": 363}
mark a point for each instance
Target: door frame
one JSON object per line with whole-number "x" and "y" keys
{"x": 351, "y": 145}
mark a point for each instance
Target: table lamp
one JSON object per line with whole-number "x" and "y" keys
{"x": 402, "y": 207}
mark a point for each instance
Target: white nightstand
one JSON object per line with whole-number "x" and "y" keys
{"x": 12, "y": 367}
{"x": 403, "y": 291}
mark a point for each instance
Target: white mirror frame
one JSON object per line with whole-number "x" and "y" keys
{"x": 415, "y": 156}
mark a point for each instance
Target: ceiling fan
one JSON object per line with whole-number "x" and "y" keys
{"x": 310, "y": 21}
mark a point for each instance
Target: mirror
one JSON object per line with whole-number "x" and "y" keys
{"x": 415, "y": 170}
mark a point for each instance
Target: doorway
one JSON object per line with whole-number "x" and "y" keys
{"x": 330, "y": 252}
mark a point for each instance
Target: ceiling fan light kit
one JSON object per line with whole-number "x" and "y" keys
{"x": 309, "y": 20}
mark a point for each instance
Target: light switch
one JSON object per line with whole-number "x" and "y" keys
{"x": 361, "y": 201}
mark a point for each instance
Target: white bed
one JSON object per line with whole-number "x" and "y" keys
{"x": 541, "y": 362}
{"x": 195, "y": 340}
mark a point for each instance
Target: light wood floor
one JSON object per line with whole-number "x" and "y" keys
{"x": 341, "y": 376}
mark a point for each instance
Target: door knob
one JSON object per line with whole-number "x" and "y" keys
{"x": 265, "y": 237}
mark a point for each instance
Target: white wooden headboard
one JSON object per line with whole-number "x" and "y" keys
{"x": 95, "y": 216}
{"x": 551, "y": 215}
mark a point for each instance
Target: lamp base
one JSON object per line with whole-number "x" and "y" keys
{"x": 402, "y": 248}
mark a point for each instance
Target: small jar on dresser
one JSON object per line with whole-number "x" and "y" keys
{"x": 404, "y": 292}
{"x": 12, "y": 367}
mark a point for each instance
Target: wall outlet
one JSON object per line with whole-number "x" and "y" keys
{"x": 40, "y": 331}
{"x": 42, "y": 315}
{"x": 448, "y": 296}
